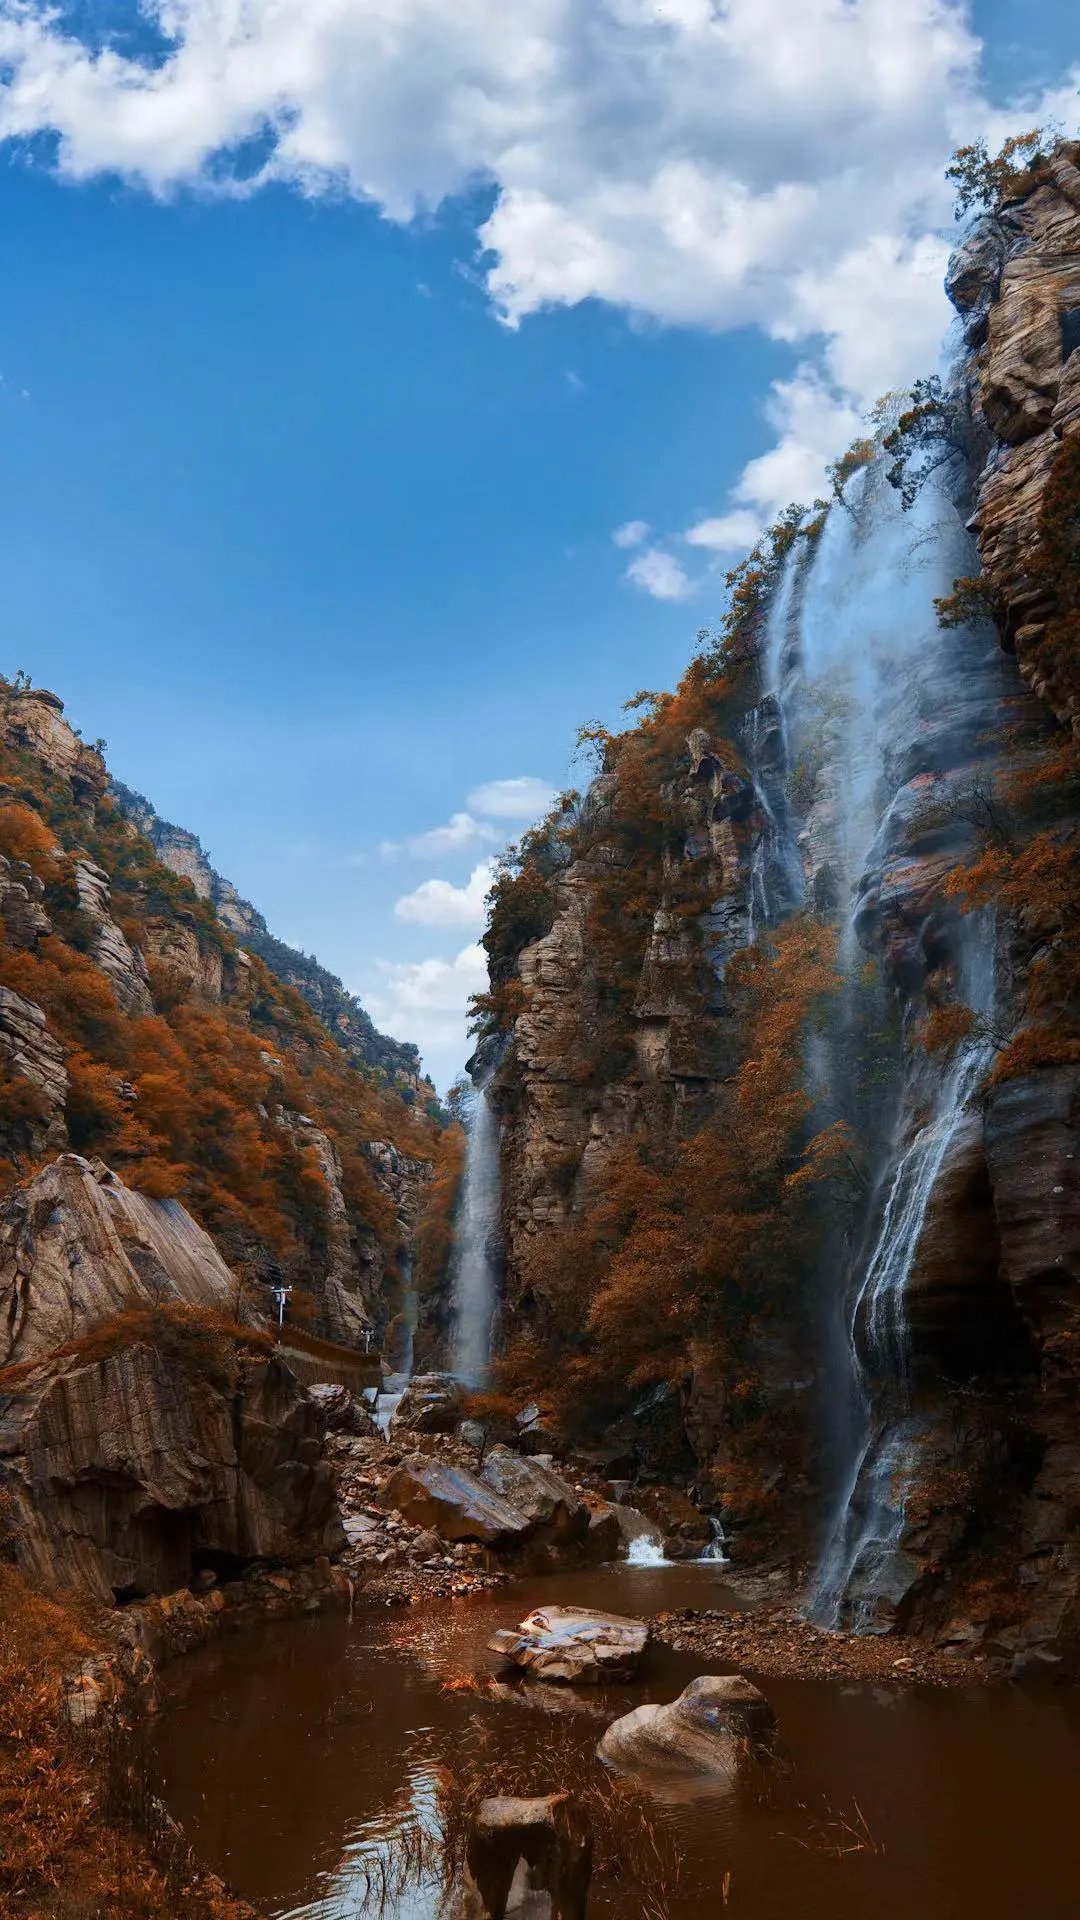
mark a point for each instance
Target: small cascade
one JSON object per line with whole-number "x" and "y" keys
{"x": 474, "y": 1272}
{"x": 865, "y": 1539}
{"x": 645, "y": 1550}
{"x": 394, "y": 1384}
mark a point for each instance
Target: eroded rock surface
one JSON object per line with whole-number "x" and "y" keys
{"x": 716, "y": 1726}
{"x": 77, "y": 1245}
{"x": 576, "y": 1645}
{"x": 123, "y": 1475}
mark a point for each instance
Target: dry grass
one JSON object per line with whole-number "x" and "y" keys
{"x": 200, "y": 1339}
{"x": 80, "y": 1836}
{"x": 630, "y": 1847}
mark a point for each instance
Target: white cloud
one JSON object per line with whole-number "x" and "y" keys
{"x": 757, "y": 163}
{"x": 437, "y": 903}
{"x": 461, "y": 834}
{"x": 631, "y": 533}
{"x": 659, "y": 574}
{"x": 522, "y": 798}
{"x": 427, "y": 999}
{"x": 729, "y": 532}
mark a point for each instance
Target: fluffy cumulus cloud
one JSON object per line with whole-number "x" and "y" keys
{"x": 438, "y": 903}
{"x": 427, "y": 999}
{"x": 524, "y": 798}
{"x": 463, "y": 833}
{"x": 631, "y": 533}
{"x": 658, "y": 573}
{"x": 716, "y": 165}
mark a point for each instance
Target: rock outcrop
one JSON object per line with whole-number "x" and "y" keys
{"x": 127, "y": 1474}
{"x": 340, "y": 1012}
{"x": 36, "y": 1075}
{"x": 77, "y": 1247}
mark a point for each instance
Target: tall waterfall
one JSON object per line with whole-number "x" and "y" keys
{"x": 865, "y": 702}
{"x": 474, "y": 1275}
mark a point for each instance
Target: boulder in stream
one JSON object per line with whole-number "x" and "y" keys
{"x": 431, "y": 1403}
{"x": 455, "y": 1504}
{"x": 529, "y": 1857}
{"x": 718, "y": 1725}
{"x": 574, "y": 1644}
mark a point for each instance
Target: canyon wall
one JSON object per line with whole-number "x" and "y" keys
{"x": 140, "y": 1027}
{"x": 868, "y": 772}
{"x": 340, "y": 1012}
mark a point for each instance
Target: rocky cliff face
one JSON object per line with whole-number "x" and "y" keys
{"x": 340, "y": 1012}
{"x": 135, "y": 1028}
{"x": 129, "y": 1474}
{"x": 938, "y": 1294}
{"x": 77, "y": 1247}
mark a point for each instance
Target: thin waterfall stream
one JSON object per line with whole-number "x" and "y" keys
{"x": 474, "y": 1284}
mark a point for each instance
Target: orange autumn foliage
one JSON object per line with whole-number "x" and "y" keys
{"x": 689, "y": 1243}
{"x": 187, "y": 1102}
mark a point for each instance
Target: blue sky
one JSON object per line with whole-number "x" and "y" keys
{"x": 321, "y": 406}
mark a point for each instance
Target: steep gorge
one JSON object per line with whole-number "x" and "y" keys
{"x": 782, "y": 1030}
{"x": 137, "y": 1028}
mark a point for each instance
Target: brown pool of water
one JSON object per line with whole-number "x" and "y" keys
{"x": 294, "y": 1755}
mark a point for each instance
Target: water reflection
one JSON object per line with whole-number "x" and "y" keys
{"x": 298, "y": 1756}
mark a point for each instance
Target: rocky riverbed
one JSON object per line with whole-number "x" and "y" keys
{"x": 773, "y": 1639}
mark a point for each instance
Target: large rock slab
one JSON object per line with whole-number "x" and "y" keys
{"x": 717, "y": 1725}
{"x": 123, "y": 1475}
{"x": 544, "y": 1497}
{"x": 77, "y": 1246}
{"x": 453, "y": 1503}
{"x": 574, "y": 1644}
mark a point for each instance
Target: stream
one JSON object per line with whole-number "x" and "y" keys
{"x": 296, "y": 1755}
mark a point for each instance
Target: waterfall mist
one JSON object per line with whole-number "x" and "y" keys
{"x": 474, "y": 1270}
{"x": 866, "y": 704}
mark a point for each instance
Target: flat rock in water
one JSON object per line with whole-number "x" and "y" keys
{"x": 717, "y": 1723}
{"x": 453, "y": 1503}
{"x": 574, "y": 1644}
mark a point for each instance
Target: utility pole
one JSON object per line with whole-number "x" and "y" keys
{"x": 281, "y": 1294}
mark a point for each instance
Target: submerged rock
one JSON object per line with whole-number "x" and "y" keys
{"x": 529, "y": 1857}
{"x": 717, "y": 1725}
{"x": 453, "y": 1503}
{"x": 574, "y": 1644}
